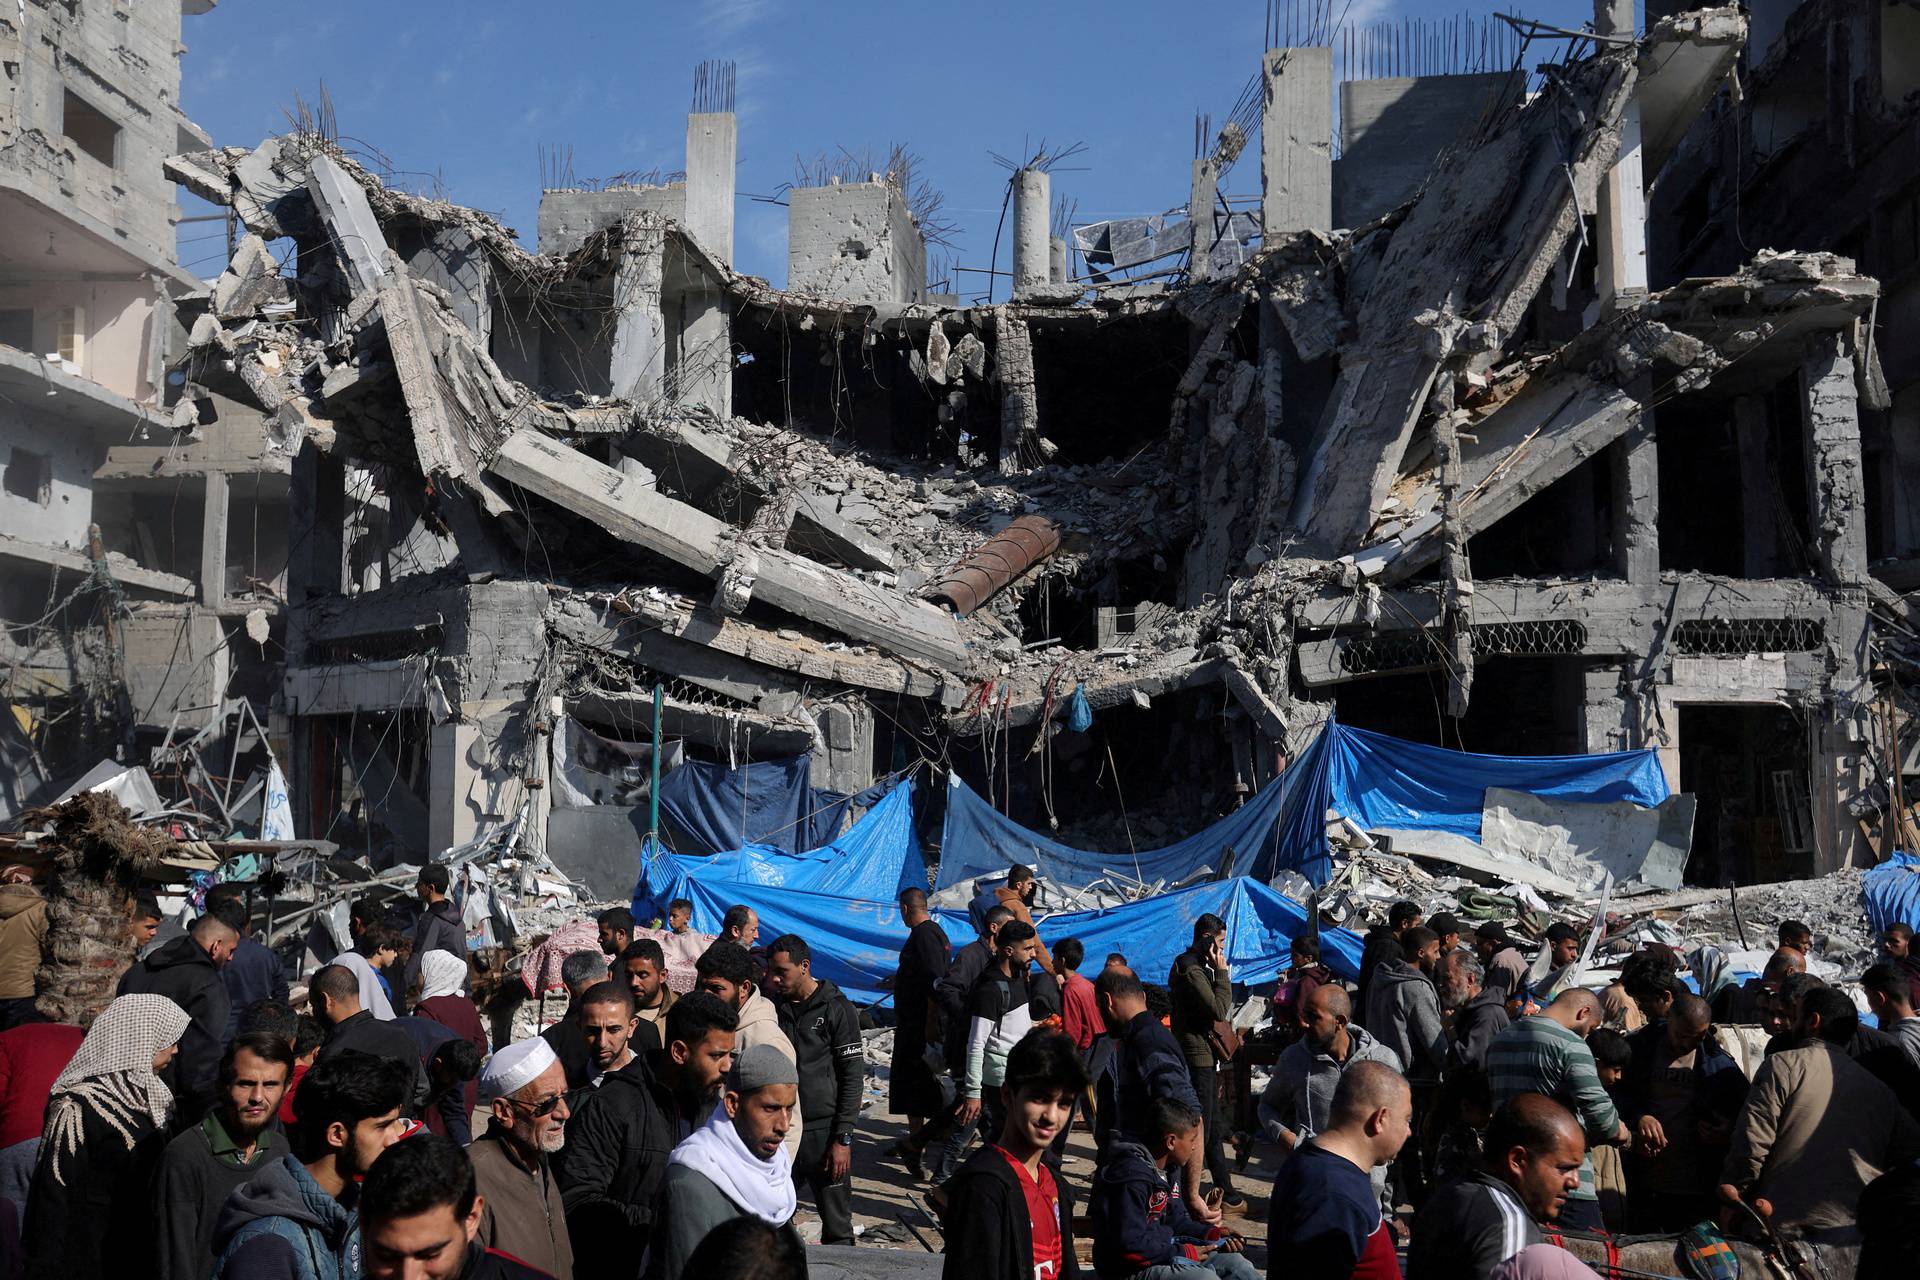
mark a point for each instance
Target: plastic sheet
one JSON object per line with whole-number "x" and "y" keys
{"x": 710, "y": 808}
{"x": 1892, "y": 891}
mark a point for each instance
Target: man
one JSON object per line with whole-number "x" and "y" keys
{"x": 1298, "y": 1101}
{"x": 1405, "y": 1011}
{"x": 420, "y": 1214}
{"x": 253, "y": 973}
{"x": 740, "y": 925}
{"x": 1547, "y": 1054}
{"x": 1506, "y": 967}
{"x": 1890, "y": 996}
{"x": 335, "y": 994}
{"x": 1383, "y": 944}
{"x": 607, "y": 1022}
{"x": 579, "y": 973}
{"x": 643, "y": 967}
{"x": 725, "y": 972}
{"x": 1017, "y": 896}
{"x": 187, "y": 972}
{"x": 913, "y": 1090}
{"x": 294, "y": 1219}
{"x": 736, "y": 1165}
{"x": 1879, "y": 1052}
{"x": 1201, "y": 987}
{"x": 1530, "y": 1165}
{"x": 525, "y": 1090}
{"x": 1326, "y": 1219}
{"x": 632, "y": 1122}
{"x": 1562, "y": 960}
{"x": 825, "y": 1032}
{"x": 953, "y": 993}
{"x": 1478, "y": 1013}
{"x": 206, "y": 1164}
{"x": 143, "y": 924}
{"x": 439, "y": 927}
{"x": 1751, "y": 1003}
{"x": 1146, "y": 1063}
{"x": 1795, "y": 936}
{"x": 1079, "y": 1011}
{"x": 1896, "y": 943}
{"x": 452, "y": 1064}
{"x": 375, "y": 950}
{"x": 616, "y": 929}
{"x": 1816, "y": 1127}
{"x": 1446, "y": 926}
{"x": 1680, "y": 1096}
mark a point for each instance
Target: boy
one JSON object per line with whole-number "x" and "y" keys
{"x": 1012, "y": 1219}
{"x": 679, "y": 915}
{"x": 999, "y": 1016}
{"x": 1141, "y": 1227}
{"x": 1611, "y": 1054}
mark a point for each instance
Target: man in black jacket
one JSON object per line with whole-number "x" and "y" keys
{"x": 825, "y": 1032}
{"x": 255, "y": 973}
{"x": 209, "y": 1162}
{"x": 439, "y": 928}
{"x": 335, "y": 993}
{"x": 421, "y": 1204}
{"x": 1479, "y": 1012}
{"x": 187, "y": 972}
{"x": 953, "y": 993}
{"x": 1146, "y": 1063}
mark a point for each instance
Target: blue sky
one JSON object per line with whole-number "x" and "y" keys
{"x": 465, "y": 92}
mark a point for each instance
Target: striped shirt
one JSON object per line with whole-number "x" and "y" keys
{"x": 1538, "y": 1055}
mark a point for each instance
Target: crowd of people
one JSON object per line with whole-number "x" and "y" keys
{"x": 1460, "y": 1111}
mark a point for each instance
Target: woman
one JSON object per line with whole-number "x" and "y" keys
{"x": 442, "y": 975}
{"x": 106, "y": 1126}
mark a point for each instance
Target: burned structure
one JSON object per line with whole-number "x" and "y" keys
{"x": 1463, "y": 436}
{"x": 142, "y": 514}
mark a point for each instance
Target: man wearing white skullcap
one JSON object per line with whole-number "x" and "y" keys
{"x": 526, "y": 1089}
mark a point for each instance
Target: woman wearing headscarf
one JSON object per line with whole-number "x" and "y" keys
{"x": 87, "y": 1215}
{"x": 442, "y": 975}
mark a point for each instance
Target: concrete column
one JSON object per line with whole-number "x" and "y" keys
{"x": 1019, "y": 406}
{"x": 1760, "y": 525}
{"x": 452, "y": 818}
{"x": 1636, "y": 504}
{"x": 316, "y": 523}
{"x": 1839, "y": 739}
{"x": 1296, "y": 142}
{"x": 639, "y": 367}
{"x": 1206, "y": 188}
{"x": 705, "y": 373}
{"x": 1604, "y": 720}
{"x": 1620, "y": 232}
{"x": 213, "y": 541}
{"x": 1057, "y": 260}
{"x": 711, "y": 145}
{"x": 1836, "y": 489}
{"x": 843, "y": 759}
{"x": 1032, "y": 213}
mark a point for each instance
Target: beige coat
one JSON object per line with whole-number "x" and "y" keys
{"x": 1816, "y": 1129}
{"x": 23, "y": 930}
{"x": 524, "y": 1215}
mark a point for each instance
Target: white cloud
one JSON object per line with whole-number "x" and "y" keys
{"x": 731, "y": 17}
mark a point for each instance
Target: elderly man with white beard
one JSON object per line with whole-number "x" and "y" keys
{"x": 525, "y": 1088}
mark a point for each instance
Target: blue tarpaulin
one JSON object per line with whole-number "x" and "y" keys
{"x": 979, "y": 841}
{"x": 1376, "y": 780}
{"x": 879, "y": 855}
{"x": 1892, "y": 891}
{"x": 856, "y": 942}
{"x": 710, "y": 808}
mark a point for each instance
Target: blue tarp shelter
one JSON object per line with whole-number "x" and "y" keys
{"x": 877, "y": 856}
{"x": 1892, "y": 891}
{"x": 711, "y": 808}
{"x": 856, "y": 941}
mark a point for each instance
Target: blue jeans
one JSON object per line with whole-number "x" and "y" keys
{"x": 1228, "y": 1266}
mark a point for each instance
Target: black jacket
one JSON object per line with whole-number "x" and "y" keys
{"x": 1720, "y": 1086}
{"x": 184, "y": 973}
{"x": 1146, "y": 1064}
{"x": 825, "y": 1032}
{"x": 254, "y": 974}
{"x": 190, "y": 1188}
{"x": 611, "y": 1168}
{"x": 439, "y": 928}
{"x": 1475, "y": 1024}
{"x": 364, "y": 1033}
{"x": 1139, "y": 1214}
{"x": 1381, "y": 946}
{"x": 96, "y": 1221}
{"x": 987, "y": 1211}
{"x": 953, "y": 996}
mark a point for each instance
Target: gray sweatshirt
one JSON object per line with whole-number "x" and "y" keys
{"x": 1403, "y": 1012}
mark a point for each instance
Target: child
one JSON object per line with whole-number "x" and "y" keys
{"x": 679, "y": 915}
{"x": 1141, "y": 1227}
{"x": 1010, "y": 1218}
{"x": 1611, "y": 1054}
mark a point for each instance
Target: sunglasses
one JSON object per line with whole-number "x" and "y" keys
{"x": 544, "y": 1107}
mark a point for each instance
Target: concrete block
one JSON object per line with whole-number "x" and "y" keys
{"x": 355, "y": 232}
{"x": 856, "y": 242}
{"x": 567, "y": 218}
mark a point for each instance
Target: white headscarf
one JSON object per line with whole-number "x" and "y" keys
{"x": 441, "y": 974}
{"x": 112, "y": 1074}
{"x": 763, "y": 1188}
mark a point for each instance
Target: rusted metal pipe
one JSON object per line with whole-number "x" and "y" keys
{"x": 985, "y": 570}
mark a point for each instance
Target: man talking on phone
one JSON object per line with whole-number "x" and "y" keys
{"x": 1202, "y": 992}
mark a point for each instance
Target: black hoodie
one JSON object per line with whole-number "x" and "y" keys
{"x": 825, "y": 1032}
{"x": 611, "y": 1168}
{"x": 987, "y": 1213}
{"x": 184, "y": 973}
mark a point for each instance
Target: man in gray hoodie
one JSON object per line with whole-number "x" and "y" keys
{"x": 1403, "y": 1008}
{"x": 1298, "y": 1102}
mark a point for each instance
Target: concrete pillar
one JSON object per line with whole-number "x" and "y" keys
{"x": 705, "y": 371}
{"x": 1759, "y": 520}
{"x": 1032, "y": 213}
{"x": 316, "y": 523}
{"x": 1604, "y": 720}
{"x": 639, "y": 367}
{"x": 213, "y": 541}
{"x": 1057, "y": 260}
{"x": 1620, "y": 232}
{"x": 1019, "y": 405}
{"x": 1836, "y": 488}
{"x": 1636, "y": 504}
{"x": 711, "y": 145}
{"x": 1206, "y": 187}
{"x": 1296, "y": 142}
{"x": 1839, "y": 738}
{"x": 452, "y": 779}
{"x": 843, "y": 759}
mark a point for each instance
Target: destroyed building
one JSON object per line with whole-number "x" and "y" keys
{"x": 1460, "y": 436}
{"x": 142, "y": 516}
